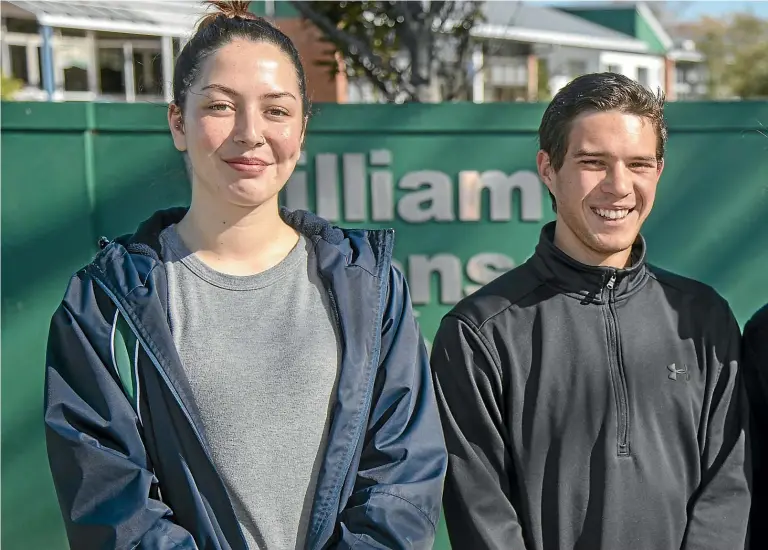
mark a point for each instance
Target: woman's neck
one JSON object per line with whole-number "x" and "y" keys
{"x": 236, "y": 240}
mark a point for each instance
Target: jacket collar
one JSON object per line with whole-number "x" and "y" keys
{"x": 586, "y": 281}
{"x": 146, "y": 239}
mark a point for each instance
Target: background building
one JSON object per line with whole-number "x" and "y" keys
{"x": 123, "y": 50}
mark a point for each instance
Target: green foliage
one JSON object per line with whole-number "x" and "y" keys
{"x": 543, "y": 93}
{"x": 737, "y": 55}
{"x": 9, "y": 86}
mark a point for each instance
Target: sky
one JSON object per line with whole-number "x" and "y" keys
{"x": 694, "y": 10}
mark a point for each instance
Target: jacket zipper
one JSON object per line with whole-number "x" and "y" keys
{"x": 369, "y": 391}
{"x": 168, "y": 383}
{"x": 617, "y": 368}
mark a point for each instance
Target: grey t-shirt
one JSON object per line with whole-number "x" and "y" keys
{"x": 261, "y": 353}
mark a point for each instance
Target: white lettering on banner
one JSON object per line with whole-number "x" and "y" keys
{"x": 429, "y": 196}
{"x": 500, "y": 186}
{"x": 438, "y": 196}
{"x": 481, "y": 269}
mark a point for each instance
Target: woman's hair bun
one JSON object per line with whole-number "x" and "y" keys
{"x": 226, "y": 8}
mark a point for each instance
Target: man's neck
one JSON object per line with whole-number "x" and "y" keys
{"x": 571, "y": 245}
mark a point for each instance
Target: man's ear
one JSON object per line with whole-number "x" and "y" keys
{"x": 544, "y": 166}
{"x": 176, "y": 124}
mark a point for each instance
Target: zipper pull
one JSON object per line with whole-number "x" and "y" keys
{"x": 611, "y": 282}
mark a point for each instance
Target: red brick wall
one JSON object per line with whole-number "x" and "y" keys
{"x": 669, "y": 79}
{"x": 321, "y": 86}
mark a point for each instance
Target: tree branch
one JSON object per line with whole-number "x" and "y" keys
{"x": 339, "y": 37}
{"x": 374, "y": 36}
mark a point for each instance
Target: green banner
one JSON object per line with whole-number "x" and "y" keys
{"x": 457, "y": 182}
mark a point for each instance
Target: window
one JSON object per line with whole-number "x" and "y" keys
{"x": 18, "y": 60}
{"x": 148, "y": 72}
{"x": 25, "y": 26}
{"x": 508, "y": 71}
{"x": 642, "y": 75}
{"x": 72, "y": 32}
{"x": 176, "y": 47}
{"x": 71, "y": 58}
{"x": 75, "y": 79}
{"x": 576, "y": 67}
{"x": 111, "y": 71}
{"x": 507, "y": 94}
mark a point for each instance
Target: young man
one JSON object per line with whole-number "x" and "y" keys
{"x": 590, "y": 400}
{"x": 755, "y": 359}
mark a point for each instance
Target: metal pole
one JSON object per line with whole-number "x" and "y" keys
{"x": 49, "y": 85}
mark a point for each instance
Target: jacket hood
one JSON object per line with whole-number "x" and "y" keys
{"x": 146, "y": 239}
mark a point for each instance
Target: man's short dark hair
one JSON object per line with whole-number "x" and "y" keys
{"x": 598, "y": 92}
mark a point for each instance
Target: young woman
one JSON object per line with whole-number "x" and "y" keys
{"x": 233, "y": 375}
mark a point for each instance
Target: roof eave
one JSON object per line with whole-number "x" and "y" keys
{"x": 655, "y": 25}
{"x": 521, "y": 34}
{"x": 683, "y": 55}
{"x": 107, "y": 25}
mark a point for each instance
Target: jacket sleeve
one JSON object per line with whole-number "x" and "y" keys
{"x": 95, "y": 450}
{"x": 719, "y": 510}
{"x": 479, "y": 504}
{"x": 395, "y": 503}
{"x": 754, "y": 360}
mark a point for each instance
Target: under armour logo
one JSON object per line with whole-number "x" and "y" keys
{"x": 674, "y": 371}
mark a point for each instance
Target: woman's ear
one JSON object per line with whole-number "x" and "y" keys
{"x": 176, "y": 124}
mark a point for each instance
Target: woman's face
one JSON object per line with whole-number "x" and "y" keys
{"x": 242, "y": 124}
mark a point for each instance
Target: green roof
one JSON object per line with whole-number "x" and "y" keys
{"x": 627, "y": 20}
{"x": 283, "y": 9}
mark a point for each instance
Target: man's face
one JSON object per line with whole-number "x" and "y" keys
{"x": 606, "y": 187}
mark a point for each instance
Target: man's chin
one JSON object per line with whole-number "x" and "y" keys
{"x": 610, "y": 245}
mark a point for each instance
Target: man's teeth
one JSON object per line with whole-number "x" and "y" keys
{"x": 611, "y": 214}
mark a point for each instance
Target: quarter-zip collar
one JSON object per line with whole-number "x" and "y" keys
{"x": 587, "y": 282}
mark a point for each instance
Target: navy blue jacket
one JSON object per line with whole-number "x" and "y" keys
{"x": 132, "y": 469}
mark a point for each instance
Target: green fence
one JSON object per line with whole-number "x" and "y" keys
{"x": 74, "y": 172}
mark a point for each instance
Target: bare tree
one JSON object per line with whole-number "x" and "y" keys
{"x": 409, "y": 51}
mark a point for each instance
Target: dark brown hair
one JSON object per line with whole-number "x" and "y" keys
{"x": 229, "y": 21}
{"x": 598, "y": 92}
